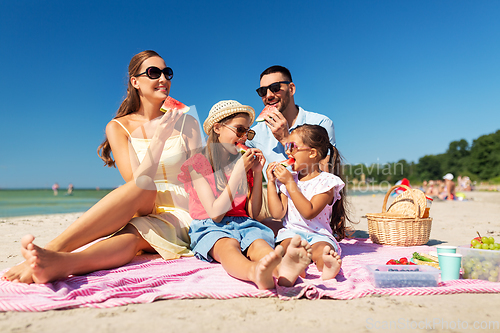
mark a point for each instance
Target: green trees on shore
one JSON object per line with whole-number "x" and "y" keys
{"x": 480, "y": 161}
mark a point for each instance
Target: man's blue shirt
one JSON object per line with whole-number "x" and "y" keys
{"x": 272, "y": 149}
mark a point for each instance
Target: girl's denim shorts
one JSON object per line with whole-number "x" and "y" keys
{"x": 205, "y": 233}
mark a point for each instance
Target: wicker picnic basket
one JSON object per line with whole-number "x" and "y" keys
{"x": 402, "y": 224}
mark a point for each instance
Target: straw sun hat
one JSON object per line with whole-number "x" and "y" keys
{"x": 224, "y": 109}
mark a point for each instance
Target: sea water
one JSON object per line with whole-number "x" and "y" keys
{"x": 41, "y": 202}
{"x": 36, "y": 202}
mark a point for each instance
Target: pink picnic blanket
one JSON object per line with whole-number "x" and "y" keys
{"x": 148, "y": 278}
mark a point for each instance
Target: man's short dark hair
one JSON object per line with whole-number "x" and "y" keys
{"x": 278, "y": 69}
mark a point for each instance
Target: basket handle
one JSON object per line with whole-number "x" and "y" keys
{"x": 417, "y": 208}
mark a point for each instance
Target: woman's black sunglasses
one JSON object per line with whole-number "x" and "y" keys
{"x": 274, "y": 87}
{"x": 154, "y": 73}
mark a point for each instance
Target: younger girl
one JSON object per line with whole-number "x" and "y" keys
{"x": 308, "y": 196}
{"x": 225, "y": 195}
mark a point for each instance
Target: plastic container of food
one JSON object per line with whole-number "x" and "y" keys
{"x": 401, "y": 276}
{"x": 480, "y": 264}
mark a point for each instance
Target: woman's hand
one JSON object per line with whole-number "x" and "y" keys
{"x": 166, "y": 125}
{"x": 163, "y": 128}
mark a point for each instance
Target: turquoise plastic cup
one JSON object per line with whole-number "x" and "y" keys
{"x": 450, "y": 263}
{"x": 446, "y": 249}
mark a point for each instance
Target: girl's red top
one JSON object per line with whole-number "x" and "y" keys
{"x": 201, "y": 165}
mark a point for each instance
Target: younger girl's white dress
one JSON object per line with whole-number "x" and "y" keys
{"x": 322, "y": 183}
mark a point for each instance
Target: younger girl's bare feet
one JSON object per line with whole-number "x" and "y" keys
{"x": 331, "y": 263}
{"x": 46, "y": 265}
{"x": 264, "y": 269}
{"x": 297, "y": 258}
{"x": 19, "y": 273}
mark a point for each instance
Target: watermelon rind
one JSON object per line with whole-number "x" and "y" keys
{"x": 288, "y": 162}
{"x": 241, "y": 148}
{"x": 264, "y": 114}
{"x": 171, "y": 103}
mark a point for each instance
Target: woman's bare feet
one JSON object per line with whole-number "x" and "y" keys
{"x": 19, "y": 273}
{"x": 265, "y": 267}
{"x": 297, "y": 258}
{"x": 331, "y": 263}
{"x": 46, "y": 265}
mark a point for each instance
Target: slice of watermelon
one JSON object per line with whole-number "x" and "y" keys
{"x": 170, "y": 104}
{"x": 241, "y": 148}
{"x": 288, "y": 162}
{"x": 265, "y": 113}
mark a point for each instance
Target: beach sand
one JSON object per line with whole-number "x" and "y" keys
{"x": 455, "y": 223}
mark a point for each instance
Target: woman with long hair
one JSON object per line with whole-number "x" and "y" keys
{"x": 148, "y": 147}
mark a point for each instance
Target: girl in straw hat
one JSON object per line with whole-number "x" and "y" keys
{"x": 225, "y": 195}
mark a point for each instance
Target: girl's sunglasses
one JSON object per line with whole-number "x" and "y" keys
{"x": 274, "y": 87}
{"x": 155, "y": 73}
{"x": 292, "y": 147}
{"x": 241, "y": 131}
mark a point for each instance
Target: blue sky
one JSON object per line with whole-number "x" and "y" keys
{"x": 400, "y": 79}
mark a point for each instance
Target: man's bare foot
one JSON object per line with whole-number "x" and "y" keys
{"x": 46, "y": 265}
{"x": 331, "y": 263}
{"x": 297, "y": 258}
{"x": 264, "y": 269}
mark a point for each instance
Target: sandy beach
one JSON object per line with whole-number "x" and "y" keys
{"x": 455, "y": 223}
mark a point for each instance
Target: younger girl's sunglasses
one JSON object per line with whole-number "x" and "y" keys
{"x": 154, "y": 73}
{"x": 292, "y": 147}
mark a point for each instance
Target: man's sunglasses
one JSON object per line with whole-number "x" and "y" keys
{"x": 274, "y": 87}
{"x": 241, "y": 131}
{"x": 154, "y": 73}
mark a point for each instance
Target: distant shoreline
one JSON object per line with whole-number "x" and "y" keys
{"x": 28, "y": 202}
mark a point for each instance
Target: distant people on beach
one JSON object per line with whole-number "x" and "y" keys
{"x": 433, "y": 188}
{"x": 444, "y": 189}
{"x": 162, "y": 217}
{"x": 70, "y": 189}
{"x": 448, "y": 190}
{"x": 55, "y": 188}
{"x": 423, "y": 187}
{"x": 464, "y": 183}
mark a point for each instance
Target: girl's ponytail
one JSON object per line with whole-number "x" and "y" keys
{"x": 340, "y": 208}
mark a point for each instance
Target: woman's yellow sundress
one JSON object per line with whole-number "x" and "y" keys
{"x": 166, "y": 229}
